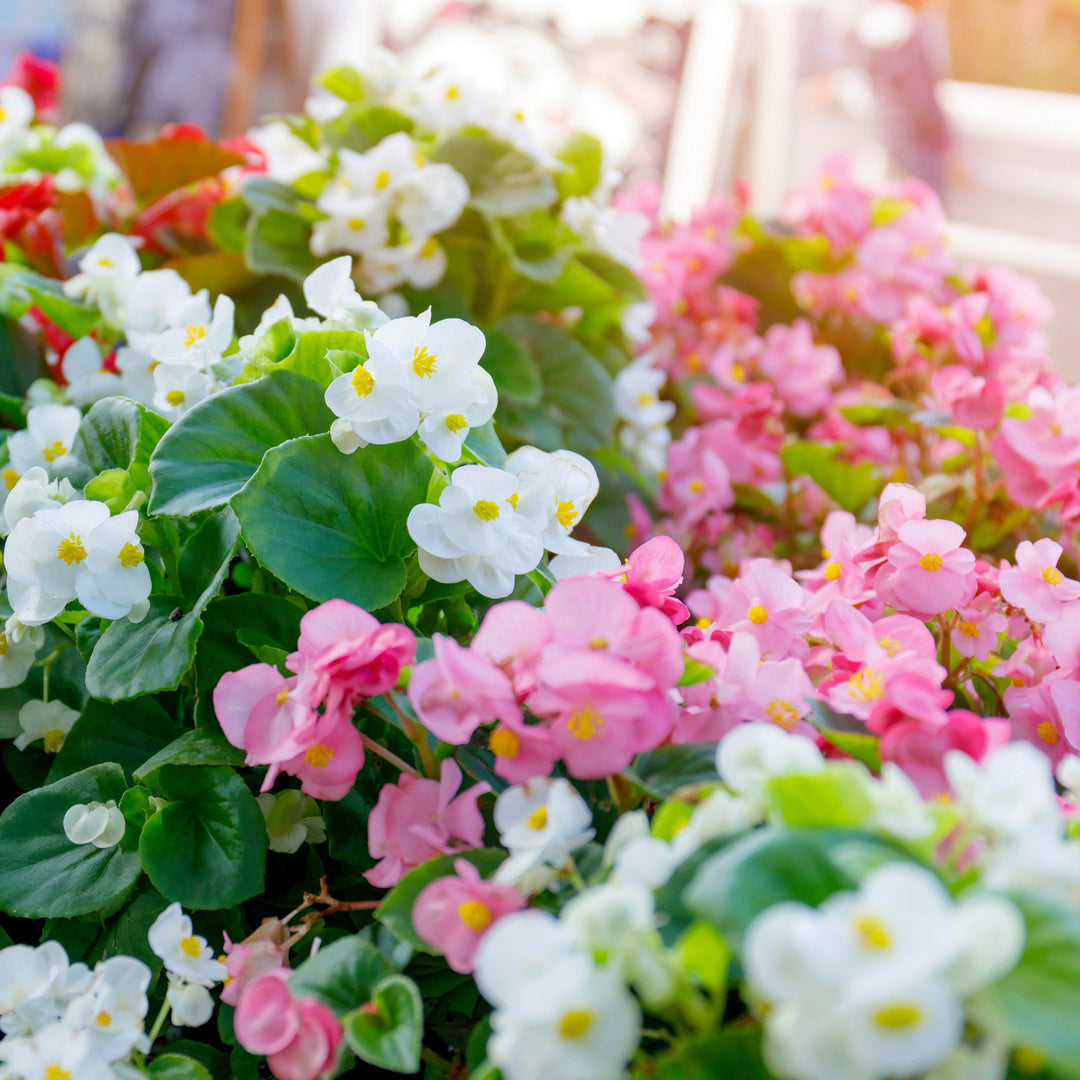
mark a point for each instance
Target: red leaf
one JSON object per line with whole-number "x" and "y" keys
{"x": 155, "y": 168}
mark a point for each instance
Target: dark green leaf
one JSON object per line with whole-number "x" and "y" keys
{"x": 200, "y": 746}
{"x": 171, "y": 1066}
{"x": 342, "y": 975}
{"x": 662, "y": 772}
{"x": 389, "y": 1035}
{"x": 734, "y": 1054}
{"x": 118, "y": 433}
{"x": 512, "y": 368}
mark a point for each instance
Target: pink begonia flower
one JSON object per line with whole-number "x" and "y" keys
{"x": 458, "y": 690}
{"x": 910, "y": 695}
{"x": 895, "y": 635}
{"x": 833, "y": 205}
{"x": 1062, "y": 638}
{"x": 259, "y": 712}
{"x": 1036, "y": 586}
{"x": 1032, "y": 661}
{"x": 416, "y": 819}
{"x": 706, "y": 717}
{"x": 329, "y": 762}
{"x": 976, "y": 635}
{"x": 299, "y": 1036}
{"x": 600, "y": 711}
{"x": 768, "y": 603}
{"x": 258, "y": 954}
{"x": 523, "y": 751}
{"x": 801, "y": 370}
{"x": 898, "y": 504}
{"x": 954, "y": 328}
{"x": 512, "y": 636}
{"x": 974, "y": 401}
{"x": 841, "y": 574}
{"x": 933, "y": 572}
{"x": 344, "y": 654}
{"x": 651, "y": 575}
{"x": 919, "y": 749}
{"x": 1017, "y": 307}
{"x": 697, "y": 480}
{"x": 1037, "y": 718}
{"x": 453, "y": 913}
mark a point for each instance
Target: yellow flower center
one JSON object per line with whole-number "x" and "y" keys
{"x": 574, "y": 1025}
{"x": 538, "y": 818}
{"x": 866, "y": 685}
{"x": 176, "y": 398}
{"x": 103, "y": 1018}
{"x": 455, "y": 422}
{"x": 191, "y": 946}
{"x": 599, "y": 643}
{"x": 697, "y": 487}
{"x": 782, "y": 713}
{"x": 1052, "y": 576}
{"x": 486, "y": 510}
{"x": 703, "y": 623}
{"x": 53, "y": 740}
{"x": 738, "y": 372}
{"x": 565, "y": 513}
{"x": 890, "y": 645}
{"x": 11, "y": 478}
{"x": 431, "y": 245}
{"x": 193, "y": 333}
{"x": 51, "y": 451}
{"x": 898, "y": 1016}
{"x": 931, "y": 561}
{"x": 54, "y": 1072}
{"x": 969, "y": 629}
{"x": 382, "y": 179}
{"x": 872, "y": 933}
{"x": 71, "y": 550}
{"x": 513, "y": 500}
{"x": 475, "y": 915}
{"x": 356, "y": 223}
{"x": 130, "y": 555}
{"x": 423, "y": 362}
{"x": 585, "y": 723}
{"x": 832, "y": 571}
{"x": 281, "y": 697}
{"x": 1047, "y": 732}
{"x": 827, "y": 182}
{"x": 3, "y": 643}
{"x": 919, "y": 251}
{"x": 362, "y": 382}
{"x": 318, "y": 756}
{"x": 757, "y": 614}
{"x": 504, "y": 743}
{"x": 451, "y": 93}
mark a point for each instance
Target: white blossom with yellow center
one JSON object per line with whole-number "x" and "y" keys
{"x": 49, "y": 721}
{"x": 557, "y": 488}
{"x": 45, "y": 442}
{"x": 184, "y": 952}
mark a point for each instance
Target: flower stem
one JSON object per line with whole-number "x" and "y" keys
{"x": 159, "y": 1023}
{"x": 417, "y": 735}
{"x": 388, "y": 755}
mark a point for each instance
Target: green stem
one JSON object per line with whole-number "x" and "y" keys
{"x": 159, "y": 1023}
{"x": 417, "y": 735}
{"x": 388, "y": 755}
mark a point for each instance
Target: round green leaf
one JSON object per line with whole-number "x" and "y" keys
{"x": 118, "y": 433}
{"x": 207, "y": 846}
{"x": 342, "y": 975}
{"x": 209, "y": 455}
{"x": 331, "y": 525}
{"x": 389, "y": 1034}
{"x": 42, "y": 873}
{"x": 663, "y": 772}
{"x": 177, "y": 1067}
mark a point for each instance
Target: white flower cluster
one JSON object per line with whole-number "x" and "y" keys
{"x": 390, "y": 190}
{"x": 492, "y": 524}
{"x": 65, "y": 1020}
{"x": 76, "y": 551}
{"x": 644, "y": 433}
{"x": 557, "y": 1011}
{"x": 419, "y": 376}
{"x": 84, "y": 162}
{"x": 872, "y": 984}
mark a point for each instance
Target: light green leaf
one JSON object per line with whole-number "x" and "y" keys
{"x": 118, "y": 433}
{"x": 836, "y": 797}
{"x": 177, "y": 1067}
{"x": 852, "y": 486}
{"x": 503, "y": 180}
{"x": 389, "y": 1035}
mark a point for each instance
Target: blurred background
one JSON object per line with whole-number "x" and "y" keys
{"x": 981, "y": 98}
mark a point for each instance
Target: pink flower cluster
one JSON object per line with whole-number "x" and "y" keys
{"x": 595, "y": 668}
{"x": 301, "y": 724}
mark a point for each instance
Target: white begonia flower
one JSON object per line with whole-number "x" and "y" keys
{"x": 516, "y": 951}
{"x": 989, "y": 932}
{"x": 190, "y": 1002}
{"x": 34, "y": 491}
{"x": 471, "y": 404}
{"x": 178, "y": 387}
{"x": 113, "y": 1008}
{"x": 16, "y": 114}
{"x": 84, "y": 370}
{"x": 419, "y": 263}
{"x": 1009, "y": 793}
{"x": 330, "y": 292}
{"x": 1038, "y": 861}
{"x": 137, "y": 369}
{"x": 475, "y": 534}
{"x": 615, "y": 233}
{"x": 355, "y": 226}
{"x": 899, "y": 809}
{"x": 17, "y": 656}
{"x": 372, "y": 403}
{"x": 592, "y": 560}
{"x": 49, "y": 721}
{"x": 985, "y": 1059}
{"x": 647, "y": 447}
{"x": 47, "y": 439}
{"x": 751, "y": 753}
{"x": 628, "y": 827}
{"x": 719, "y": 814}
{"x": 100, "y": 824}
{"x": 376, "y": 173}
{"x": 637, "y": 395}
{"x": 104, "y": 172}
{"x": 106, "y": 273}
{"x": 1068, "y": 776}
{"x": 55, "y": 1052}
{"x": 154, "y": 303}
{"x": 558, "y": 488}
{"x": 445, "y": 101}
{"x": 430, "y": 199}
{"x": 578, "y": 1022}
{"x": 77, "y": 551}
{"x": 647, "y": 861}
{"x": 287, "y": 156}
{"x": 201, "y": 337}
{"x": 292, "y": 819}
{"x": 540, "y": 823}
{"x": 36, "y": 985}
{"x": 183, "y": 951}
